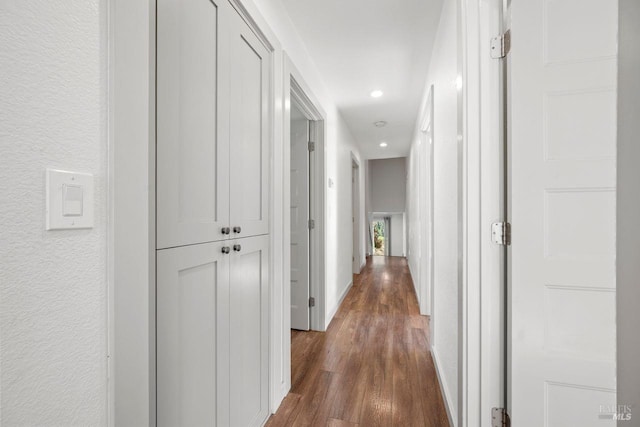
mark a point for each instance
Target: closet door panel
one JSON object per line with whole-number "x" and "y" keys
{"x": 249, "y": 131}
{"x": 192, "y": 281}
{"x": 248, "y": 332}
{"x": 192, "y": 122}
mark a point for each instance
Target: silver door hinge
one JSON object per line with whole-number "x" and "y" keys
{"x": 311, "y": 146}
{"x": 501, "y": 45}
{"x": 312, "y": 302}
{"x": 501, "y": 233}
{"x": 311, "y": 224}
{"x": 500, "y": 418}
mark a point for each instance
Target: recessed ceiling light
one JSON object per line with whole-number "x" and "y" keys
{"x": 383, "y": 144}
{"x": 380, "y": 124}
{"x": 376, "y": 94}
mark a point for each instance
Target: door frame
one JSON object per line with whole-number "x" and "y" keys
{"x": 300, "y": 93}
{"x": 482, "y": 311}
{"x": 295, "y": 89}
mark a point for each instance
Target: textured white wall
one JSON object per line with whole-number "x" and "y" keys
{"x": 53, "y": 299}
{"x": 388, "y": 184}
{"x": 442, "y": 74}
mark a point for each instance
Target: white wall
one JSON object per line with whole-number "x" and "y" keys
{"x": 628, "y": 199}
{"x": 397, "y": 235}
{"x": 388, "y": 184}
{"x": 53, "y": 294}
{"x": 442, "y": 74}
{"x": 339, "y": 146}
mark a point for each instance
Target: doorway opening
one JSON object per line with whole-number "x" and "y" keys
{"x": 379, "y": 237}
{"x": 306, "y": 193}
{"x": 303, "y": 109}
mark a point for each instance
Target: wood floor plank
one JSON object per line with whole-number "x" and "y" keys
{"x": 372, "y": 367}
{"x": 281, "y": 418}
{"x": 339, "y": 423}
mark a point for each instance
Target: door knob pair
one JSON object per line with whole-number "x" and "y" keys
{"x": 227, "y": 249}
{"x": 227, "y": 230}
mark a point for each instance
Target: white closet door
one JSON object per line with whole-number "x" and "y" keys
{"x": 246, "y": 370}
{"x": 249, "y": 131}
{"x": 192, "y": 125}
{"x": 192, "y": 282}
{"x": 563, "y": 161}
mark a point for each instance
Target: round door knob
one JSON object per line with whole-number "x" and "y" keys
{"x": 237, "y": 248}
{"x": 225, "y": 249}
{"x": 225, "y": 230}
{"x": 237, "y": 230}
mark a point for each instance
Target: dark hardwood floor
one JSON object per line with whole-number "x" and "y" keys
{"x": 373, "y": 366}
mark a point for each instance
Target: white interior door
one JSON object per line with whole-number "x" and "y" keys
{"x": 562, "y": 201}
{"x": 192, "y": 281}
{"x": 299, "y": 216}
{"x": 192, "y": 134}
{"x": 355, "y": 216}
{"x": 423, "y": 171}
{"x": 249, "y": 131}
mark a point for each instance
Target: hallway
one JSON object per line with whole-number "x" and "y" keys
{"x": 373, "y": 362}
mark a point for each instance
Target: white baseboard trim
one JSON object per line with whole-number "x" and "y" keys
{"x": 280, "y": 393}
{"x": 413, "y": 280}
{"x": 334, "y": 310}
{"x": 446, "y": 395}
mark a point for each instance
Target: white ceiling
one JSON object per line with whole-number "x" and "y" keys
{"x": 363, "y": 45}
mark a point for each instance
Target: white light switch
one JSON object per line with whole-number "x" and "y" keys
{"x": 69, "y": 200}
{"x": 72, "y": 196}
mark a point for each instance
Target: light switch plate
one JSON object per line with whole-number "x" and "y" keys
{"x": 69, "y": 200}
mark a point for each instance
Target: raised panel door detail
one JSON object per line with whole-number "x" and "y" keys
{"x": 569, "y": 233}
{"x": 190, "y": 280}
{"x": 579, "y": 30}
{"x": 192, "y": 140}
{"x": 580, "y": 125}
{"x": 574, "y": 316}
{"x": 560, "y": 415}
{"x": 249, "y": 131}
{"x": 248, "y": 332}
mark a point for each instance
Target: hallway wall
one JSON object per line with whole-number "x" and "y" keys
{"x": 388, "y": 184}
{"x": 443, "y": 75}
{"x": 339, "y": 145}
{"x": 53, "y": 294}
{"x": 397, "y": 235}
